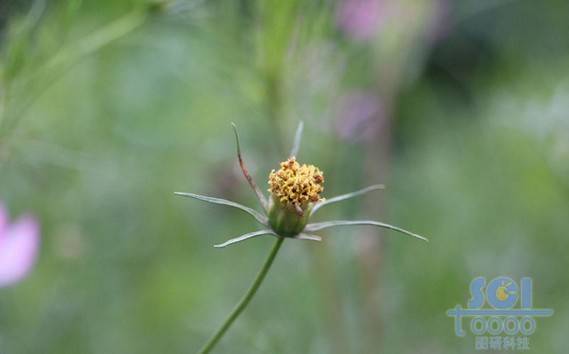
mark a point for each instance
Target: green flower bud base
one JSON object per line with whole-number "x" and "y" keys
{"x": 286, "y": 221}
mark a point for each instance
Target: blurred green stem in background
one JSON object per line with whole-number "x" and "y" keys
{"x": 276, "y": 23}
{"x": 61, "y": 62}
{"x": 245, "y": 300}
{"x": 275, "y": 107}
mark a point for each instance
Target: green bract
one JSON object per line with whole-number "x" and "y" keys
{"x": 286, "y": 221}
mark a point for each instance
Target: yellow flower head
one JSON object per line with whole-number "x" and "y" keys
{"x": 296, "y": 185}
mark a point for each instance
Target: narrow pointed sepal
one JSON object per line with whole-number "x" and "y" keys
{"x": 297, "y": 140}
{"x": 346, "y": 196}
{"x": 308, "y": 237}
{"x": 260, "y": 196}
{"x": 327, "y": 224}
{"x": 262, "y": 219}
{"x": 245, "y": 237}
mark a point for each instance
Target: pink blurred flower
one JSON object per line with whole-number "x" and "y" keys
{"x": 361, "y": 19}
{"x": 360, "y": 115}
{"x": 440, "y": 26}
{"x": 19, "y": 243}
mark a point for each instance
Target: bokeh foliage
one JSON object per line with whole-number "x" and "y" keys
{"x": 100, "y": 127}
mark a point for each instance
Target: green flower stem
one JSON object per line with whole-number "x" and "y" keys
{"x": 245, "y": 300}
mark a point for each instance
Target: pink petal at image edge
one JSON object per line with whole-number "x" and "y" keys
{"x": 18, "y": 250}
{"x": 3, "y": 220}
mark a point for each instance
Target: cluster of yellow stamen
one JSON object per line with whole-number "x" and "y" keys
{"x": 296, "y": 185}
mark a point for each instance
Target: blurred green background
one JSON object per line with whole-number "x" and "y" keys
{"x": 107, "y": 107}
